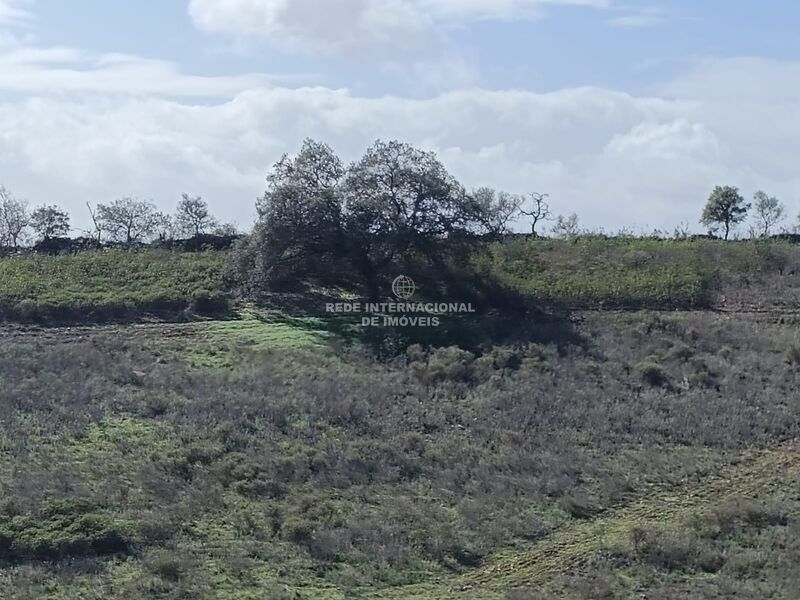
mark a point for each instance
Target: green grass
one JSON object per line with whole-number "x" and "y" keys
{"x": 108, "y": 283}
{"x": 256, "y": 331}
{"x": 593, "y": 271}
{"x": 589, "y": 272}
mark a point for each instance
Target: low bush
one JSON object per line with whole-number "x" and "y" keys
{"x": 673, "y": 551}
{"x": 205, "y": 302}
{"x": 653, "y": 374}
{"x": 64, "y": 530}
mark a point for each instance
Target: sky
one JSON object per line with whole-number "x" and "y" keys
{"x": 627, "y": 112}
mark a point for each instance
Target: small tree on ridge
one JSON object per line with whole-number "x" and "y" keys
{"x": 50, "y": 222}
{"x": 769, "y": 212}
{"x": 725, "y": 208}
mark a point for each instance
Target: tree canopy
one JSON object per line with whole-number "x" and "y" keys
{"x": 395, "y": 201}
{"x": 725, "y": 208}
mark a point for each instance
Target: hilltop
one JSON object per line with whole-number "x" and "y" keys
{"x": 585, "y": 273}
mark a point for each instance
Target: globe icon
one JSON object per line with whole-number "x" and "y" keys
{"x": 404, "y": 287}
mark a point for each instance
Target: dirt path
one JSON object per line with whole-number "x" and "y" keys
{"x": 568, "y": 549}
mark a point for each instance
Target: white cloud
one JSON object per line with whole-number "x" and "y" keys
{"x": 615, "y": 158}
{"x": 32, "y": 69}
{"x": 637, "y": 20}
{"x": 501, "y": 9}
{"x": 14, "y": 12}
{"x": 670, "y": 141}
{"x": 352, "y": 26}
{"x": 737, "y": 79}
{"x": 311, "y": 25}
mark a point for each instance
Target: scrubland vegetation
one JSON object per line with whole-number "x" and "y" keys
{"x": 133, "y": 468}
{"x": 273, "y": 456}
{"x": 619, "y": 418}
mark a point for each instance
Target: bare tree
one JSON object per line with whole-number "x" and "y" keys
{"x": 128, "y": 220}
{"x": 193, "y": 217}
{"x": 681, "y": 231}
{"x": 49, "y": 222}
{"x": 98, "y": 226}
{"x": 769, "y": 211}
{"x": 14, "y": 218}
{"x": 539, "y": 211}
{"x": 226, "y": 230}
{"x": 566, "y": 227}
{"x": 166, "y": 228}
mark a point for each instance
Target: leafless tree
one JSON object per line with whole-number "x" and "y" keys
{"x": 539, "y": 210}
{"x": 166, "y": 228}
{"x": 14, "y": 218}
{"x": 98, "y": 226}
{"x": 566, "y": 227}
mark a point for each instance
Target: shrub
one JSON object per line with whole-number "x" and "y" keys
{"x": 740, "y": 512}
{"x": 445, "y": 364}
{"x": 680, "y": 352}
{"x": 64, "y": 530}
{"x": 793, "y": 354}
{"x": 205, "y": 302}
{"x": 28, "y": 310}
{"x": 675, "y": 551}
{"x": 653, "y": 374}
{"x": 298, "y": 530}
{"x": 580, "y": 506}
{"x": 167, "y": 565}
{"x": 703, "y": 375}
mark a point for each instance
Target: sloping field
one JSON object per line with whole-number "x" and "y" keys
{"x": 253, "y": 458}
{"x": 757, "y": 474}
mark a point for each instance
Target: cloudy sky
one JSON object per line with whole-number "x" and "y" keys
{"x": 627, "y": 112}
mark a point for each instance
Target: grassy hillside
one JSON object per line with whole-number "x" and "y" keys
{"x": 600, "y": 454}
{"x": 633, "y": 273}
{"x": 107, "y": 284}
{"x": 586, "y": 273}
{"x": 284, "y": 467}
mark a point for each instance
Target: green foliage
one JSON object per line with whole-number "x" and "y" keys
{"x": 50, "y": 222}
{"x": 205, "y": 302}
{"x": 725, "y": 208}
{"x": 594, "y": 272}
{"x": 653, "y": 373}
{"x": 324, "y": 224}
{"x": 64, "y": 529}
{"x": 112, "y": 284}
{"x": 265, "y": 457}
{"x": 335, "y": 475}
